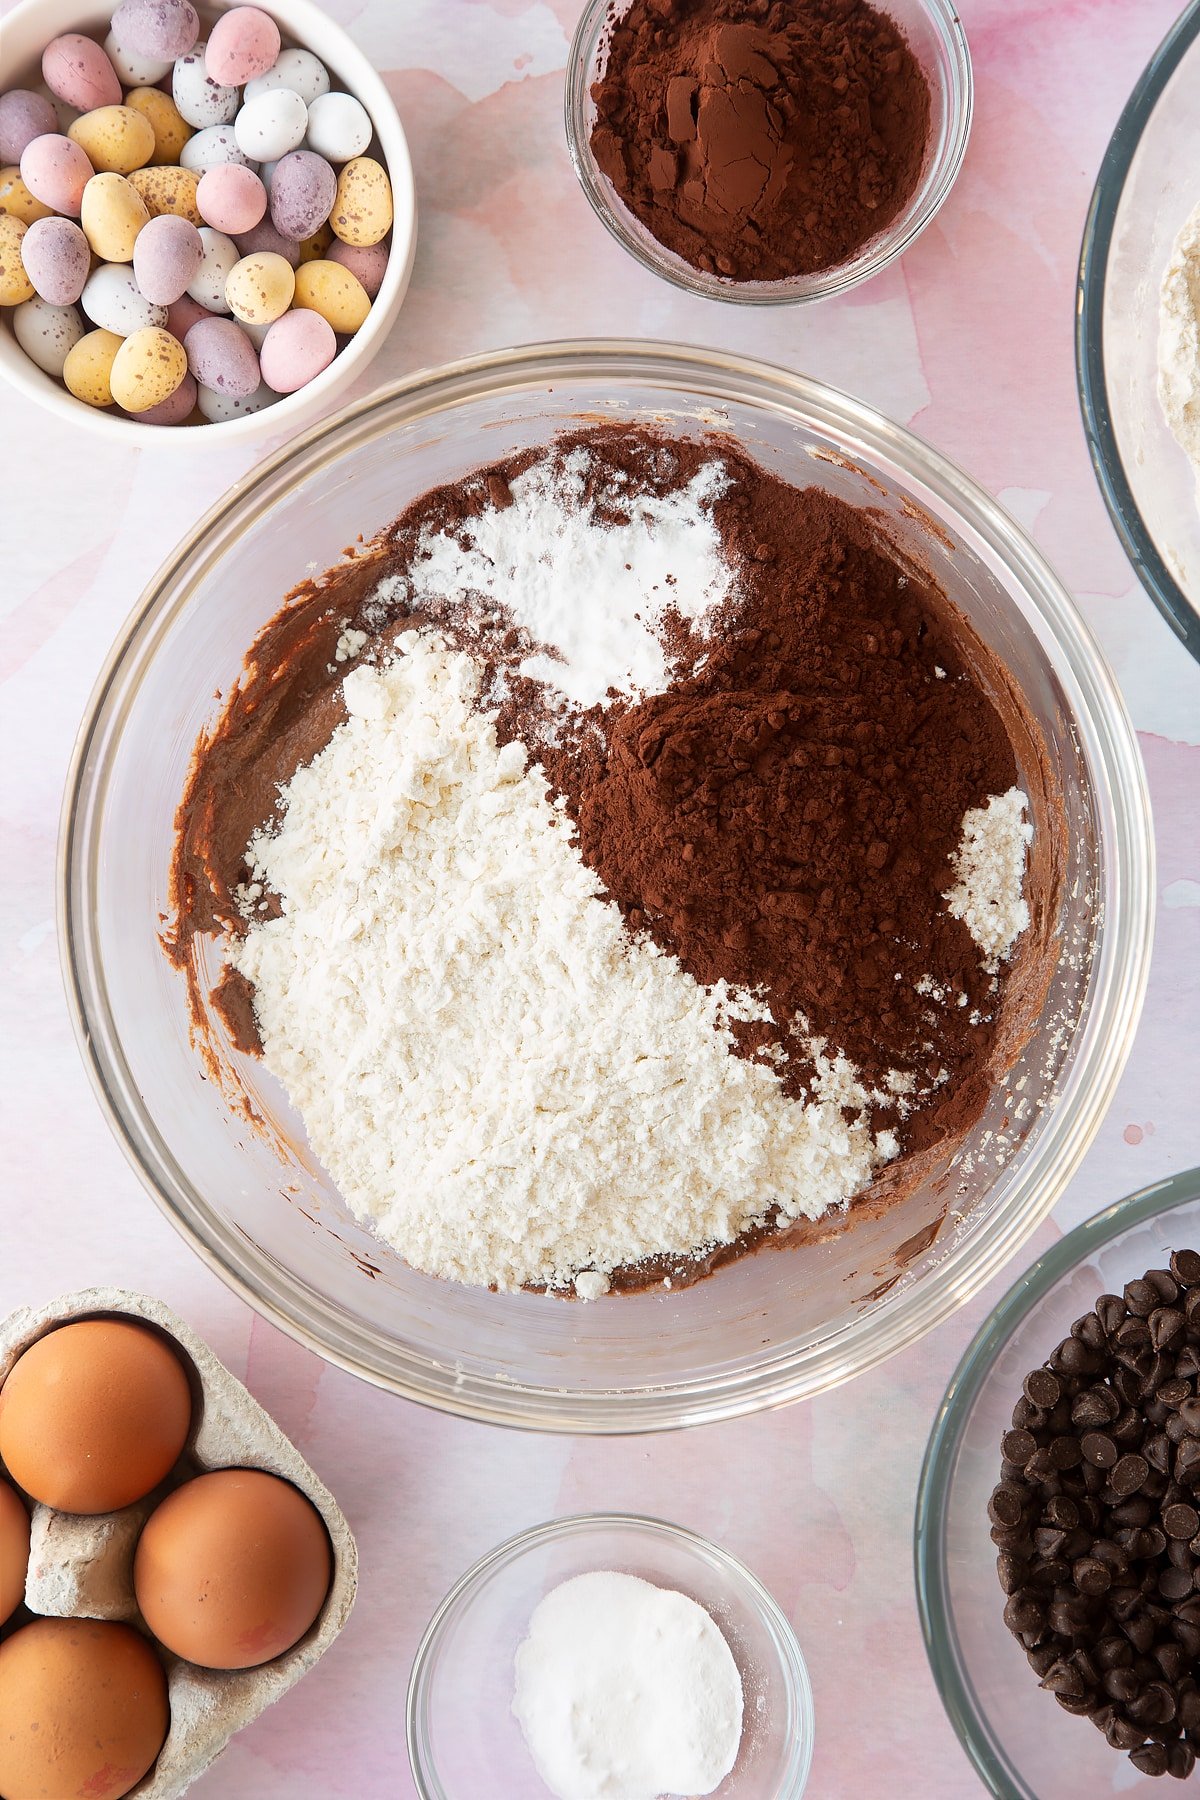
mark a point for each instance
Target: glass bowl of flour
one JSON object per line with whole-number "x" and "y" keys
{"x": 1138, "y": 328}
{"x": 217, "y": 1142}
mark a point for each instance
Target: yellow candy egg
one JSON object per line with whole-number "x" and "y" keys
{"x": 315, "y": 246}
{"x": 260, "y": 288}
{"x": 168, "y": 191}
{"x": 113, "y": 213}
{"x": 171, "y": 130}
{"x": 115, "y": 139}
{"x": 362, "y": 206}
{"x": 339, "y": 296}
{"x": 147, "y": 369}
{"x": 88, "y": 368}
{"x": 15, "y": 285}
{"x": 16, "y": 199}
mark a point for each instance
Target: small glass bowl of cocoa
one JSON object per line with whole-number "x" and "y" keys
{"x": 1022, "y": 1745}
{"x": 770, "y": 152}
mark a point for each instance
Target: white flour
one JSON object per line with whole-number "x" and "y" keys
{"x": 493, "y": 1072}
{"x": 1179, "y": 340}
{"x": 989, "y": 895}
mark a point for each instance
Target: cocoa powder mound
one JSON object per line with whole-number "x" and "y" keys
{"x": 761, "y": 139}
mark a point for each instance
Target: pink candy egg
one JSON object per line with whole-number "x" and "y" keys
{"x": 76, "y": 70}
{"x": 265, "y": 237}
{"x": 183, "y": 313}
{"x": 166, "y": 255}
{"x": 175, "y": 409}
{"x": 303, "y": 189}
{"x": 56, "y": 171}
{"x": 221, "y": 357}
{"x": 366, "y": 261}
{"x": 161, "y": 29}
{"x": 231, "y": 197}
{"x": 296, "y": 349}
{"x": 24, "y": 116}
{"x": 243, "y": 43}
{"x": 57, "y": 260}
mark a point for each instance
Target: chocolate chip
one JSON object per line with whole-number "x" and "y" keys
{"x": 1042, "y": 1388}
{"x": 1095, "y": 1406}
{"x": 1111, "y": 1311}
{"x": 1092, "y": 1577}
{"x": 1006, "y": 1505}
{"x": 1151, "y": 1759}
{"x": 1173, "y": 1584}
{"x": 1141, "y": 1297}
{"x": 1180, "y": 1521}
{"x": 1018, "y": 1446}
{"x": 1181, "y": 1760}
{"x": 1185, "y": 1267}
{"x": 1164, "y": 1285}
{"x": 1189, "y": 1414}
{"x": 1128, "y": 1475}
{"x": 1098, "y": 1449}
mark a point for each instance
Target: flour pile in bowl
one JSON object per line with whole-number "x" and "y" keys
{"x": 619, "y": 863}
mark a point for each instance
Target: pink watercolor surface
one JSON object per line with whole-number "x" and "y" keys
{"x": 969, "y": 340}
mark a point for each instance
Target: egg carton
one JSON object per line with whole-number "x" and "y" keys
{"x": 83, "y": 1567}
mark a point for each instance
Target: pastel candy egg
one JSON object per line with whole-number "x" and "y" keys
{"x": 168, "y": 191}
{"x": 15, "y": 198}
{"x": 183, "y": 313}
{"x": 115, "y": 139}
{"x": 296, "y": 349}
{"x": 58, "y": 260}
{"x": 47, "y": 333}
{"x": 201, "y": 100}
{"x": 166, "y": 257}
{"x": 209, "y": 148}
{"x": 176, "y": 409}
{"x": 264, "y": 236}
{"x": 24, "y": 115}
{"x": 256, "y": 333}
{"x": 221, "y": 357}
{"x": 76, "y": 70}
{"x": 112, "y": 300}
{"x": 299, "y": 70}
{"x": 147, "y": 369}
{"x": 367, "y": 262}
{"x": 158, "y": 28}
{"x": 171, "y": 130}
{"x": 219, "y": 260}
{"x": 231, "y": 198}
{"x": 15, "y": 285}
{"x": 303, "y": 189}
{"x": 243, "y": 44}
{"x": 217, "y": 407}
{"x": 65, "y": 115}
{"x": 56, "y": 171}
{"x": 362, "y": 208}
{"x": 136, "y": 71}
{"x": 267, "y": 128}
{"x": 327, "y": 288}
{"x": 260, "y": 288}
{"x": 113, "y": 213}
{"x": 339, "y": 127}
{"x": 88, "y": 367}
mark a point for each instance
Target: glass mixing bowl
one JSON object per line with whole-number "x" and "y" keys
{"x": 470, "y": 1643}
{"x": 1148, "y": 184}
{"x": 939, "y": 43}
{"x": 252, "y": 1200}
{"x": 1020, "y": 1742}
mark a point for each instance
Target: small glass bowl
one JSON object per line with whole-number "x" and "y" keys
{"x": 1022, "y": 1745}
{"x": 459, "y": 1752}
{"x": 937, "y": 39}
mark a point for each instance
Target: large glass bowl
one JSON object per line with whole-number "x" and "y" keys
{"x": 773, "y": 1327}
{"x": 1148, "y": 184}
{"x": 1023, "y": 1746}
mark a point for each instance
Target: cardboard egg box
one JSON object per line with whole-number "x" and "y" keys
{"x": 82, "y": 1567}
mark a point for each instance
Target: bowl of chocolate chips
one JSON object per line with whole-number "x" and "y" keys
{"x": 1058, "y": 1519}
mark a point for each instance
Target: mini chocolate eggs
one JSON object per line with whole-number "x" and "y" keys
{"x": 327, "y": 288}
{"x": 168, "y": 191}
{"x": 112, "y": 214}
{"x": 14, "y": 1551}
{"x": 166, "y": 257}
{"x": 231, "y": 198}
{"x": 16, "y": 199}
{"x": 76, "y": 70}
{"x": 221, "y": 357}
{"x": 87, "y": 367}
{"x": 201, "y": 101}
{"x": 244, "y": 43}
{"x": 171, "y": 130}
{"x": 56, "y": 171}
{"x": 362, "y": 209}
{"x": 111, "y": 299}
{"x": 296, "y": 349}
{"x": 267, "y": 128}
{"x": 303, "y": 190}
{"x": 299, "y": 70}
{"x": 217, "y": 263}
{"x": 260, "y": 288}
{"x": 47, "y": 334}
{"x": 24, "y": 115}
{"x": 15, "y": 285}
{"x": 134, "y": 70}
{"x": 159, "y": 28}
{"x": 147, "y": 369}
{"x": 115, "y": 139}
{"x": 339, "y": 127}
{"x": 58, "y": 259}
{"x": 206, "y": 149}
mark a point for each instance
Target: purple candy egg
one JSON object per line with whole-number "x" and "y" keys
{"x": 166, "y": 255}
{"x": 160, "y": 29}
{"x": 366, "y": 261}
{"x": 57, "y": 258}
{"x": 56, "y": 171}
{"x": 183, "y": 313}
{"x": 265, "y": 237}
{"x": 231, "y": 198}
{"x": 303, "y": 189}
{"x": 221, "y": 357}
{"x": 76, "y": 70}
{"x": 175, "y": 409}
{"x": 296, "y": 349}
{"x": 243, "y": 44}
{"x": 23, "y": 116}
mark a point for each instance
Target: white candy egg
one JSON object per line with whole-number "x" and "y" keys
{"x": 339, "y": 127}
{"x": 219, "y": 407}
{"x": 47, "y": 333}
{"x": 134, "y": 70}
{"x": 201, "y": 100}
{"x": 221, "y": 255}
{"x": 299, "y": 70}
{"x": 215, "y": 144}
{"x": 267, "y": 128}
{"x": 112, "y": 300}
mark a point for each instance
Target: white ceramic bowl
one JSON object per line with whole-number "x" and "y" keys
{"x": 34, "y": 24}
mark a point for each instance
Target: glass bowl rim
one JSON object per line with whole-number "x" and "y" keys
{"x": 890, "y": 244}
{"x": 469, "y": 1584}
{"x": 1119, "y": 980}
{"x": 937, "y": 1469}
{"x": 1148, "y": 564}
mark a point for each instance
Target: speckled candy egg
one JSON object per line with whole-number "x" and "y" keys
{"x": 171, "y": 130}
{"x": 88, "y": 366}
{"x": 76, "y": 70}
{"x": 111, "y": 299}
{"x": 260, "y": 288}
{"x": 313, "y": 248}
{"x": 209, "y": 148}
{"x": 176, "y": 409}
{"x": 221, "y": 357}
{"x": 243, "y": 44}
{"x": 166, "y": 257}
{"x": 15, "y": 285}
{"x": 115, "y": 139}
{"x": 159, "y": 28}
{"x": 217, "y": 408}
{"x": 147, "y": 369}
{"x": 56, "y": 171}
{"x": 231, "y": 198}
{"x": 362, "y": 208}
{"x": 220, "y": 258}
{"x": 327, "y": 288}
{"x": 57, "y": 259}
{"x": 136, "y": 71}
{"x": 112, "y": 214}
{"x": 15, "y": 198}
{"x": 303, "y": 190}
{"x": 267, "y": 128}
{"x": 299, "y": 70}
{"x": 183, "y": 313}
{"x": 339, "y": 127}
{"x": 367, "y": 262}
{"x": 47, "y": 334}
{"x": 168, "y": 191}
{"x": 264, "y": 236}
{"x": 201, "y": 100}
{"x": 24, "y": 115}
{"x": 296, "y": 349}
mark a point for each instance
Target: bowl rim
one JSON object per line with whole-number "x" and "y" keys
{"x": 970, "y": 1722}
{"x": 1148, "y": 564}
{"x": 305, "y": 23}
{"x": 908, "y": 1311}
{"x": 888, "y": 246}
{"x": 475, "y": 1578}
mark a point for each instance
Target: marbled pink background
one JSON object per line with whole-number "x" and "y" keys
{"x": 969, "y": 340}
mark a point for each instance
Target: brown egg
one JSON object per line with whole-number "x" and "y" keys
{"x": 83, "y": 1710}
{"x": 14, "y": 1551}
{"x": 232, "y": 1569}
{"x": 94, "y": 1415}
